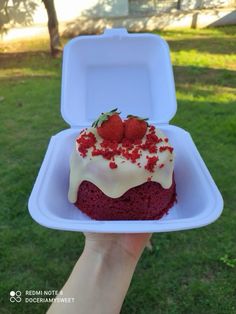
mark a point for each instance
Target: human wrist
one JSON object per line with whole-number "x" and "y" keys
{"x": 110, "y": 251}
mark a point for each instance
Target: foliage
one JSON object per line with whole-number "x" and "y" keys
{"x": 13, "y": 12}
{"x": 229, "y": 261}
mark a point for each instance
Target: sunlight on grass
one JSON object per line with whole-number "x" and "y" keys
{"x": 215, "y": 32}
{"x": 201, "y": 93}
{"x": 32, "y": 44}
{"x": 196, "y": 58}
{"x": 16, "y": 73}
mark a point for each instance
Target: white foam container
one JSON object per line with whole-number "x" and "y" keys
{"x": 132, "y": 72}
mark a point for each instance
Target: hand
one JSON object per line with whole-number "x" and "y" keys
{"x": 101, "y": 277}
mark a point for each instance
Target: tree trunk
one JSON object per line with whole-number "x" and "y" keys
{"x": 179, "y": 5}
{"x": 55, "y": 43}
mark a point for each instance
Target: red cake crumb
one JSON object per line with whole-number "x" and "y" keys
{"x": 152, "y": 149}
{"x": 127, "y": 143}
{"x": 152, "y": 128}
{"x": 113, "y": 165}
{"x": 151, "y": 163}
{"x": 85, "y": 141}
{"x": 145, "y": 202}
{"x": 163, "y": 148}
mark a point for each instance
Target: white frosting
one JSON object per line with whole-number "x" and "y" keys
{"x": 115, "y": 182}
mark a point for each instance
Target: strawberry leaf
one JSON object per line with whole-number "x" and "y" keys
{"x": 136, "y": 117}
{"x": 104, "y": 117}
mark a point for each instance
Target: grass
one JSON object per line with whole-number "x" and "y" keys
{"x": 187, "y": 272}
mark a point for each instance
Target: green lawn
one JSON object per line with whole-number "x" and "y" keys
{"x": 187, "y": 272}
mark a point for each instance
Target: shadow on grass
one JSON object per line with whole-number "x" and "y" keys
{"x": 213, "y": 45}
{"x": 28, "y": 64}
{"x": 226, "y": 30}
{"x": 15, "y": 57}
{"x": 204, "y": 75}
{"x": 209, "y": 107}
{"x": 22, "y": 55}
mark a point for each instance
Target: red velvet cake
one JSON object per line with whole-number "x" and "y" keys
{"x": 122, "y": 170}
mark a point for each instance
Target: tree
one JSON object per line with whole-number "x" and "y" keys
{"x": 55, "y": 43}
{"x": 179, "y": 5}
{"x": 13, "y": 12}
{"x": 16, "y": 12}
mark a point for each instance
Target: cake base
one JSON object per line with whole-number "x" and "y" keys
{"x": 147, "y": 201}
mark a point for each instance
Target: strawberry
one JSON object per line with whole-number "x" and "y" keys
{"x": 135, "y": 128}
{"x": 110, "y": 126}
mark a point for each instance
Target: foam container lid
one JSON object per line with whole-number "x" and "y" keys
{"x": 132, "y": 72}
